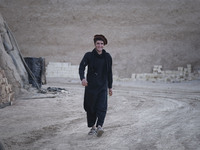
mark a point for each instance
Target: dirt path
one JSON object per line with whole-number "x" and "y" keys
{"x": 140, "y": 117}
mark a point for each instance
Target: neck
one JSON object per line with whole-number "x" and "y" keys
{"x": 99, "y": 52}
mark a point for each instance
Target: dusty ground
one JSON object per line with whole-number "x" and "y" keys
{"x": 141, "y": 116}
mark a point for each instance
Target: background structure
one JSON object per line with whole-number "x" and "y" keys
{"x": 141, "y": 33}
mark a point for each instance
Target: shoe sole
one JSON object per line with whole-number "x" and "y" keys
{"x": 99, "y": 133}
{"x": 92, "y": 133}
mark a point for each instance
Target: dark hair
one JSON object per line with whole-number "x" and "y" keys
{"x": 100, "y": 37}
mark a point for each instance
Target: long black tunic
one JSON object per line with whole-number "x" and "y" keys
{"x": 99, "y": 76}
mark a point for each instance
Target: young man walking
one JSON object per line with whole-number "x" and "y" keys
{"x": 97, "y": 84}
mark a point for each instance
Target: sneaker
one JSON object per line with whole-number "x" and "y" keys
{"x": 92, "y": 131}
{"x": 99, "y": 131}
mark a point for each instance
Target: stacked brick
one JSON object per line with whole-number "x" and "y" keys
{"x": 6, "y": 93}
{"x": 182, "y": 74}
{"x": 66, "y": 70}
{"x": 62, "y": 69}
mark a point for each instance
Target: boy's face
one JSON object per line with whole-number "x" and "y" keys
{"x": 99, "y": 45}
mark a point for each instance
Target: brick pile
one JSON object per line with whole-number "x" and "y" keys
{"x": 6, "y": 93}
{"x": 182, "y": 74}
{"x": 62, "y": 69}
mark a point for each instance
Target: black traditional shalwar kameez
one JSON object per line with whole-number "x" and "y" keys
{"x": 99, "y": 77}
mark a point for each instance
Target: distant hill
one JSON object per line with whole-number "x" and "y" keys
{"x": 141, "y": 33}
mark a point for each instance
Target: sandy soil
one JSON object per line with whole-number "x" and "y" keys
{"x": 141, "y": 116}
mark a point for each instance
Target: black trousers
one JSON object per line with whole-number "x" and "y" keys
{"x": 98, "y": 116}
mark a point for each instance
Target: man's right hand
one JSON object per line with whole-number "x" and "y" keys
{"x": 84, "y": 82}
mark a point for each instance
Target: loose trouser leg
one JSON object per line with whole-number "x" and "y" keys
{"x": 101, "y": 108}
{"x": 91, "y": 119}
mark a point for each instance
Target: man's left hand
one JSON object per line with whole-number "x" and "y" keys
{"x": 110, "y": 92}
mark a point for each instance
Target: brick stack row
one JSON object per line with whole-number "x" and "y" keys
{"x": 62, "y": 69}
{"x": 6, "y": 93}
{"x": 182, "y": 74}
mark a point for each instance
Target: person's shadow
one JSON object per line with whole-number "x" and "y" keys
{"x": 1, "y": 146}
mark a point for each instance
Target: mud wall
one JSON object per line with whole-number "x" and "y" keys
{"x": 10, "y": 64}
{"x": 141, "y": 33}
{"x": 6, "y": 92}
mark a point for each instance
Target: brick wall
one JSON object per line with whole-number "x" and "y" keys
{"x": 60, "y": 69}
{"x": 66, "y": 70}
{"x": 179, "y": 75}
